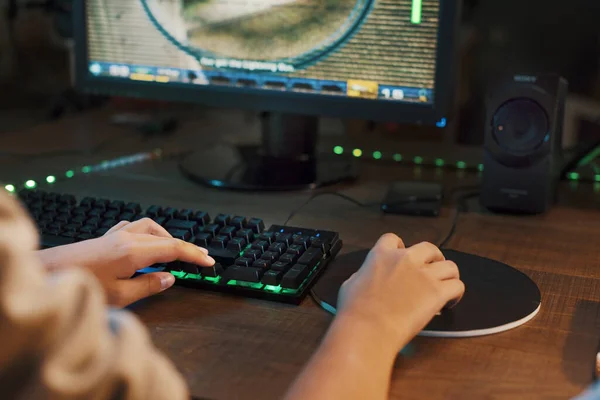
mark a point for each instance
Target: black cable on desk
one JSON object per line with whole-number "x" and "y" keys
{"x": 460, "y": 207}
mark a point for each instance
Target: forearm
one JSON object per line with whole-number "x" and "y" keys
{"x": 354, "y": 361}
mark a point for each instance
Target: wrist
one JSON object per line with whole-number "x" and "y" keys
{"x": 360, "y": 337}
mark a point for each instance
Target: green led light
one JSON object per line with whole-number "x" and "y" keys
{"x": 573, "y": 176}
{"x": 418, "y": 160}
{"x": 439, "y": 162}
{"x": 274, "y": 289}
{"x": 417, "y": 11}
{"x": 69, "y": 174}
{"x": 178, "y": 274}
{"x": 480, "y": 167}
{"x": 597, "y": 178}
{"x": 86, "y": 169}
{"x": 194, "y": 277}
{"x": 377, "y": 155}
{"x": 10, "y": 188}
{"x": 211, "y": 279}
{"x": 397, "y": 157}
{"x": 50, "y": 179}
{"x": 357, "y": 153}
{"x": 30, "y": 184}
{"x": 461, "y": 165}
{"x": 339, "y": 150}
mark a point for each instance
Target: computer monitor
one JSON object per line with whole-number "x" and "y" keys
{"x": 291, "y": 60}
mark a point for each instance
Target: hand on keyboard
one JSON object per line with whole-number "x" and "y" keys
{"x": 124, "y": 249}
{"x": 399, "y": 290}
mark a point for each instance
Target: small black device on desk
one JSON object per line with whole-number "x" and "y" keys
{"x": 413, "y": 198}
{"x": 279, "y": 263}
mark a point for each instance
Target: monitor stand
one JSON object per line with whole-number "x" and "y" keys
{"x": 286, "y": 159}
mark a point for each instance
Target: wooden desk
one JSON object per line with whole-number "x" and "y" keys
{"x": 230, "y": 348}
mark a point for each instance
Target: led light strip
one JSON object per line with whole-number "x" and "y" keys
{"x": 87, "y": 169}
{"x": 416, "y": 160}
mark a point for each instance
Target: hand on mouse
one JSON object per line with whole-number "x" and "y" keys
{"x": 126, "y": 248}
{"x": 399, "y": 290}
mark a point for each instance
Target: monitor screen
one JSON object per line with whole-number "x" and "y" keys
{"x": 372, "y": 50}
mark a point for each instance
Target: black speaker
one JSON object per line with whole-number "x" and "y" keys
{"x": 522, "y": 144}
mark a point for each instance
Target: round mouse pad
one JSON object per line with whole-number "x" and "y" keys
{"x": 497, "y": 297}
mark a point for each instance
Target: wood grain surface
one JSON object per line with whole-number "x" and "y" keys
{"x": 235, "y": 348}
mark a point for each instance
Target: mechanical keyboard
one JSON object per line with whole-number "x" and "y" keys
{"x": 279, "y": 263}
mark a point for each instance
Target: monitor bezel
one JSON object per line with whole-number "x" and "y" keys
{"x": 286, "y": 102}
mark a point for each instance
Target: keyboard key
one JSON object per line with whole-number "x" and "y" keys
{"x": 244, "y": 262}
{"x": 169, "y": 212}
{"x": 48, "y": 216}
{"x": 111, "y": 214}
{"x": 133, "y": 208}
{"x": 267, "y": 237}
{"x": 302, "y": 240}
{"x": 65, "y": 209}
{"x": 295, "y": 276}
{"x": 238, "y": 222}
{"x": 278, "y": 248}
{"x": 260, "y": 245}
{"x": 79, "y": 219}
{"x": 63, "y": 218}
{"x": 247, "y": 234}
{"x": 88, "y": 229}
{"x": 236, "y": 244}
{"x": 51, "y": 207}
{"x": 108, "y": 223}
{"x": 222, "y": 219}
{"x": 69, "y": 234}
{"x": 160, "y": 220}
{"x": 189, "y": 268}
{"x": 94, "y": 222}
{"x": 262, "y": 263}
{"x": 248, "y": 274}
{"x": 72, "y": 227}
{"x": 284, "y": 238}
{"x": 223, "y": 256}
{"x": 126, "y": 216}
{"x": 311, "y": 257}
{"x": 213, "y": 272}
{"x": 191, "y": 226}
{"x": 256, "y": 224}
{"x": 272, "y": 277}
{"x": 212, "y": 229}
{"x": 101, "y": 203}
{"x": 48, "y": 241}
{"x": 180, "y": 234}
{"x": 228, "y": 231}
{"x": 80, "y": 211}
{"x": 85, "y": 236}
{"x": 51, "y": 198}
{"x": 101, "y": 231}
{"x": 219, "y": 242}
{"x": 67, "y": 199}
{"x": 203, "y": 239}
{"x": 281, "y": 266}
{"x": 270, "y": 256}
{"x": 319, "y": 244}
{"x": 295, "y": 249}
{"x": 154, "y": 211}
{"x": 87, "y": 202}
{"x": 96, "y": 212}
{"x": 202, "y": 218}
{"x": 55, "y": 226}
{"x": 253, "y": 254}
{"x": 187, "y": 215}
{"x": 116, "y": 205}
